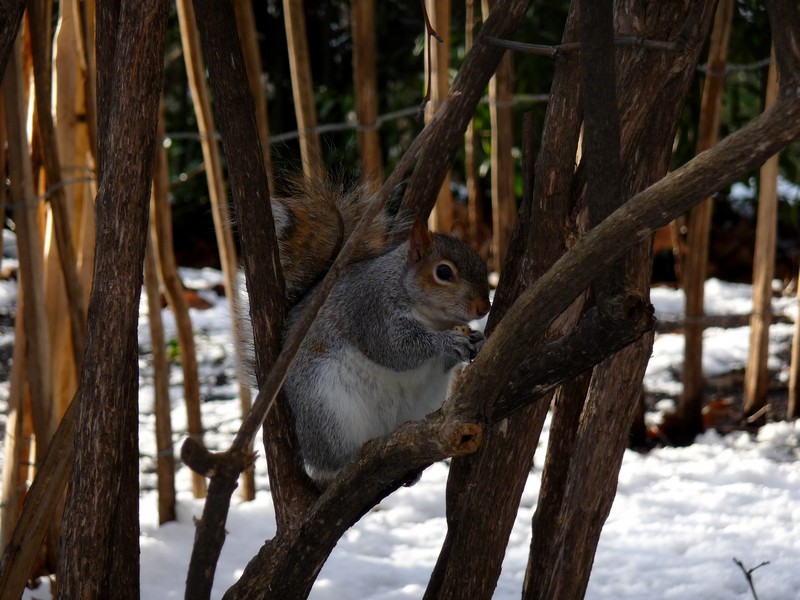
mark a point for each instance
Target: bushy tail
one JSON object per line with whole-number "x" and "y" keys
{"x": 313, "y": 220}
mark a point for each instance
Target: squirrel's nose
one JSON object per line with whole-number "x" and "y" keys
{"x": 481, "y": 307}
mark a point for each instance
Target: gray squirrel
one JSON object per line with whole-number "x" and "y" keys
{"x": 392, "y": 333}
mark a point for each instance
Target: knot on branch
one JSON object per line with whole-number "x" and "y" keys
{"x": 465, "y": 438}
{"x": 631, "y": 305}
{"x": 209, "y": 464}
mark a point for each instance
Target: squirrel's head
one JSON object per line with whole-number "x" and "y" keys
{"x": 447, "y": 277}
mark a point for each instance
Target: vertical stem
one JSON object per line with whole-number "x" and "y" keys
{"x": 173, "y": 289}
{"x": 220, "y": 209}
{"x": 40, "y": 12}
{"x": 99, "y": 552}
{"x": 474, "y": 198}
{"x": 504, "y": 204}
{"x": 442, "y": 216}
{"x": 303, "y": 88}
{"x": 30, "y": 252}
{"x": 165, "y": 460}
{"x": 246, "y": 26}
{"x": 365, "y": 82}
{"x": 756, "y": 377}
{"x": 696, "y": 263}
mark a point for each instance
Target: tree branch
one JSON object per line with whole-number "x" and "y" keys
{"x": 634, "y": 222}
{"x": 599, "y": 334}
{"x": 784, "y": 19}
{"x": 10, "y": 20}
{"x": 564, "y": 49}
{"x": 288, "y": 565}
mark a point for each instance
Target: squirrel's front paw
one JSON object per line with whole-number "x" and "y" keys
{"x": 478, "y": 340}
{"x": 464, "y": 345}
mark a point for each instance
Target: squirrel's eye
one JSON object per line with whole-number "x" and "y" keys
{"x": 444, "y": 272}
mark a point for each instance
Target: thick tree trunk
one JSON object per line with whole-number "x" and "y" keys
{"x": 562, "y": 555}
{"x": 99, "y": 554}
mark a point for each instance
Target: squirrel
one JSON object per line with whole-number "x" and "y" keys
{"x": 391, "y": 334}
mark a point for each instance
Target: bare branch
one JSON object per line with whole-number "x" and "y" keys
{"x": 784, "y": 19}
{"x": 564, "y": 49}
{"x": 10, "y": 19}
{"x": 748, "y": 573}
{"x": 430, "y": 32}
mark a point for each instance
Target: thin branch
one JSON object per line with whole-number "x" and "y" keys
{"x": 784, "y": 19}
{"x": 676, "y": 45}
{"x": 748, "y": 574}
{"x": 563, "y": 49}
{"x": 430, "y": 32}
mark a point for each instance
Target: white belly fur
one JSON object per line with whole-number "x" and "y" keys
{"x": 369, "y": 400}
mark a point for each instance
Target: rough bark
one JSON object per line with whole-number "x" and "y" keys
{"x": 600, "y": 162}
{"x": 246, "y": 26}
{"x": 99, "y": 554}
{"x": 250, "y": 189}
{"x": 10, "y": 20}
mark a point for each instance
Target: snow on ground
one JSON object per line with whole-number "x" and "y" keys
{"x": 680, "y": 517}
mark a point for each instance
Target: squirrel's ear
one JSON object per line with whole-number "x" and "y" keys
{"x": 419, "y": 240}
{"x": 458, "y": 231}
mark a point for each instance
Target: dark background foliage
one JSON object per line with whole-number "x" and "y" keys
{"x": 400, "y": 62}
